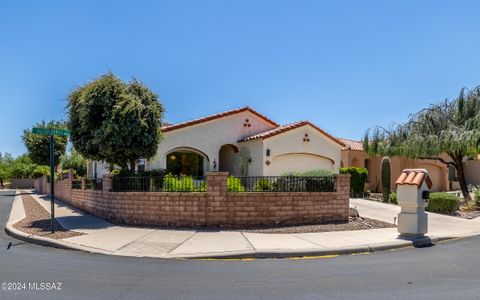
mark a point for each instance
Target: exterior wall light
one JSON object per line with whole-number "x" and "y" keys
{"x": 268, "y": 152}
{"x": 214, "y": 164}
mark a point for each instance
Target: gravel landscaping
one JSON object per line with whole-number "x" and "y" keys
{"x": 37, "y": 221}
{"x": 354, "y": 223}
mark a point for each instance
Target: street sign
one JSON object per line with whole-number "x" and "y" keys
{"x": 51, "y": 131}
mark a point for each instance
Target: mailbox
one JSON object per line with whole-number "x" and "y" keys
{"x": 413, "y": 194}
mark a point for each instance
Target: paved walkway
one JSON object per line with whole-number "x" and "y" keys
{"x": 104, "y": 237}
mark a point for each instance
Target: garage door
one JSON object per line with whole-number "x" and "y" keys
{"x": 298, "y": 162}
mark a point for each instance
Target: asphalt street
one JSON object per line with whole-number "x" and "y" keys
{"x": 449, "y": 270}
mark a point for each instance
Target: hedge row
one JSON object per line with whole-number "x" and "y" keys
{"x": 358, "y": 177}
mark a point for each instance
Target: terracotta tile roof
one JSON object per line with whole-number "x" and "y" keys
{"x": 352, "y": 145}
{"x": 414, "y": 177}
{"x": 285, "y": 128}
{"x": 216, "y": 116}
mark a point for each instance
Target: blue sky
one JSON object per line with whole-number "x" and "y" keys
{"x": 344, "y": 65}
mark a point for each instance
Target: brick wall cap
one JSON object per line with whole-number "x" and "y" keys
{"x": 217, "y": 173}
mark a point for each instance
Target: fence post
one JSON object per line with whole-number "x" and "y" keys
{"x": 84, "y": 183}
{"x": 107, "y": 182}
{"x": 217, "y": 183}
{"x": 342, "y": 183}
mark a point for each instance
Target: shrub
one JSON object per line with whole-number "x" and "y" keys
{"x": 263, "y": 185}
{"x": 393, "y": 198}
{"x": 443, "y": 203}
{"x": 476, "y": 196}
{"x": 174, "y": 184}
{"x": 290, "y": 183}
{"x": 156, "y": 177}
{"x": 39, "y": 171}
{"x": 234, "y": 184}
{"x": 358, "y": 177}
{"x": 313, "y": 173}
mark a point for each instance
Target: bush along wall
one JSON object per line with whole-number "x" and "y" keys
{"x": 393, "y": 198}
{"x": 443, "y": 203}
{"x": 358, "y": 177}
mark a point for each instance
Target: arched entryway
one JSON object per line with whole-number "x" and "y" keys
{"x": 187, "y": 162}
{"x": 228, "y": 159}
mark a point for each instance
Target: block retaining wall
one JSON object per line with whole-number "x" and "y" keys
{"x": 214, "y": 208}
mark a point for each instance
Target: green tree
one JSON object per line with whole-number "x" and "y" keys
{"x": 74, "y": 161}
{"x": 451, "y": 128}
{"x": 115, "y": 122}
{"x": 22, "y": 167}
{"x": 38, "y": 146}
{"x": 5, "y": 164}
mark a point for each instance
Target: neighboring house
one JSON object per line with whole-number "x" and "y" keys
{"x": 96, "y": 169}
{"x": 443, "y": 178}
{"x": 244, "y": 142}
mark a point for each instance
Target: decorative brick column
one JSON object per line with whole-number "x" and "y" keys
{"x": 217, "y": 183}
{"x": 342, "y": 183}
{"x": 84, "y": 183}
{"x": 216, "y": 195}
{"x": 107, "y": 182}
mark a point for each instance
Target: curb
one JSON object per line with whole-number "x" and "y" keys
{"x": 35, "y": 239}
{"x": 317, "y": 252}
{"x": 416, "y": 242}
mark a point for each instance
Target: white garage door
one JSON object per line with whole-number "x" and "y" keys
{"x": 298, "y": 162}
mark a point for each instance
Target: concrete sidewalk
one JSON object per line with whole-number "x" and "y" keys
{"x": 104, "y": 237}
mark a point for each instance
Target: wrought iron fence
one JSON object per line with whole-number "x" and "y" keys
{"x": 94, "y": 184}
{"x": 76, "y": 184}
{"x": 167, "y": 183}
{"x": 281, "y": 184}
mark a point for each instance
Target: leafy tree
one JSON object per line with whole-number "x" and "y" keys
{"x": 38, "y": 146}
{"x": 74, "y": 161}
{"x": 5, "y": 162}
{"x": 22, "y": 167}
{"x": 115, "y": 122}
{"x": 451, "y": 128}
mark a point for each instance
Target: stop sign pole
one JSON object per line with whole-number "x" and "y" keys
{"x": 52, "y": 133}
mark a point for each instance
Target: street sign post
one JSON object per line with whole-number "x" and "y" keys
{"x": 52, "y": 132}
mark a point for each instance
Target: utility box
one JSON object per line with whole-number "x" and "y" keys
{"x": 413, "y": 193}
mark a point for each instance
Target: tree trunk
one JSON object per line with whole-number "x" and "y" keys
{"x": 133, "y": 162}
{"x": 461, "y": 179}
{"x": 123, "y": 166}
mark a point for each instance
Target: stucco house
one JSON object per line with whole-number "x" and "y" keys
{"x": 243, "y": 142}
{"x": 442, "y": 177}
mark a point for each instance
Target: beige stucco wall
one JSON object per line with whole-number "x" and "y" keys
{"x": 438, "y": 171}
{"x": 319, "y": 153}
{"x": 255, "y": 150}
{"x": 208, "y": 137}
{"x": 472, "y": 171}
